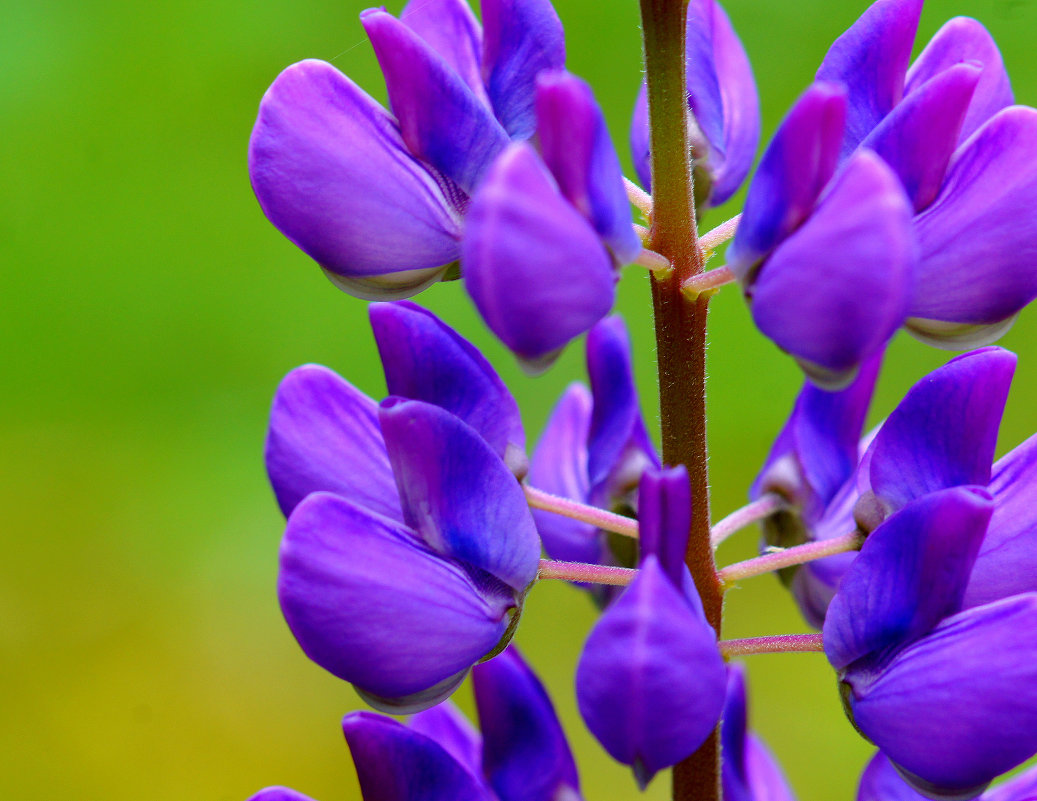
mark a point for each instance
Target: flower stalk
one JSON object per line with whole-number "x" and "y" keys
{"x": 775, "y": 644}
{"x": 680, "y": 328}
{"x": 606, "y": 521}
{"x": 763, "y": 507}
{"x": 788, "y": 557}
{"x": 580, "y": 571}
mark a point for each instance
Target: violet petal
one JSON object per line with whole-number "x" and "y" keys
{"x": 536, "y": 270}
{"x": 910, "y": 574}
{"x": 324, "y": 435}
{"x": 816, "y": 451}
{"x": 964, "y": 39}
{"x": 918, "y": 137}
{"x": 857, "y": 243}
{"x": 640, "y": 143}
{"x": 977, "y": 243}
{"x": 525, "y": 754}
{"x": 943, "y": 433}
{"x": 371, "y": 604}
{"x": 577, "y": 149}
{"x": 871, "y": 59}
{"x": 741, "y": 108}
{"x": 457, "y": 493}
{"x": 451, "y": 29}
{"x": 795, "y": 167}
{"x": 425, "y": 359}
{"x": 441, "y": 120}
{"x": 330, "y": 170}
{"x": 521, "y": 39}
{"x": 616, "y": 422}
{"x": 446, "y": 725}
{"x": 559, "y": 466}
{"x": 958, "y": 707}
{"x": 664, "y": 518}
{"x": 881, "y": 782}
{"x": 279, "y": 794}
{"x": 395, "y": 763}
{"x": 1007, "y": 561}
{"x": 650, "y": 682}
{"x": 703, "y": 83}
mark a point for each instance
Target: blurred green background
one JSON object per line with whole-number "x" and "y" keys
{"x": 147, "y": 313}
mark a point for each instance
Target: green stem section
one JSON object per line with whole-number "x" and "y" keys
{"x": 680, "y": 329}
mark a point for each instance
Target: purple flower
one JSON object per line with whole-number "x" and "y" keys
{"x": 521, "y": 755}
{"x": 594, "y": 450}
{"x": 409, "y": 544}
{"x": 881, "y": 782}
{"x": 324, "y": 433}
{"x": 949, "y": 693}
{"x": 812, "y": 466}
{"x": 941, "y": 435}
{"x": 966, "y": 158}
{"x": 545, "y": 233}
{"x": 650, "y": 682}
{"x": 722, "y": 99}
{"x": 826, "y": 256}
{"x": 377, "y": 198}
{"x": 749, "y": 771}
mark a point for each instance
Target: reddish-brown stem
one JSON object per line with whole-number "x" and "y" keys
{"x": 680, "y": 329}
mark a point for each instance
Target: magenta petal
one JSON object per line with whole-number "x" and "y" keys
{"x": 650, "y": 682}
{"x": 457, "y": 493}
{"x": 871, "y": 59}
{"x": 576, "y": 147}
{"x": 451, "y": 29}
{"x": 370, "y": 603}
{"x": 441, "y": 120}
{"x": 525, "y": 753}
{"x": 856, "y": 244}
{"x": 910, "y": 574}
{"x": 978, "y": 241}
{"x": 330, "y": 170}
{"x": 536, "y": 270}
{"x": 324, "y": 435}
{"x": 959, "y": 707}
{"x": 964, "y": 39}
{"x": 395, "y": 763}
{"x": 521, "y": 39}
{"x": 943, "y": 433}
{"x": 741, "y": 108}
{"x": 425, "y": 359}
{"x": 559, "y": 466}
{"x": 918, "y": 137}
{"x": 446, "y": 725}
{"x": 1007, "y": 561}
{"x": 793, "y": 171}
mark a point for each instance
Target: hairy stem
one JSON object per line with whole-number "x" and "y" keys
{"x": 707, "y": 283}
{"x": 788, "y": 557}
{"x": 763, "y": 507}
{"x": 580, "y": 571}
{"x": 775, "y": 644}
{"x": 680, "y": 329}
{"x": 607, "y": 521}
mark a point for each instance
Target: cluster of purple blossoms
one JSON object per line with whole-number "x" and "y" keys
{"x": 892, "y": 195}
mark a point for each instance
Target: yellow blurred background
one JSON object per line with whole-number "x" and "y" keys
{"x": 147, "y": 312}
